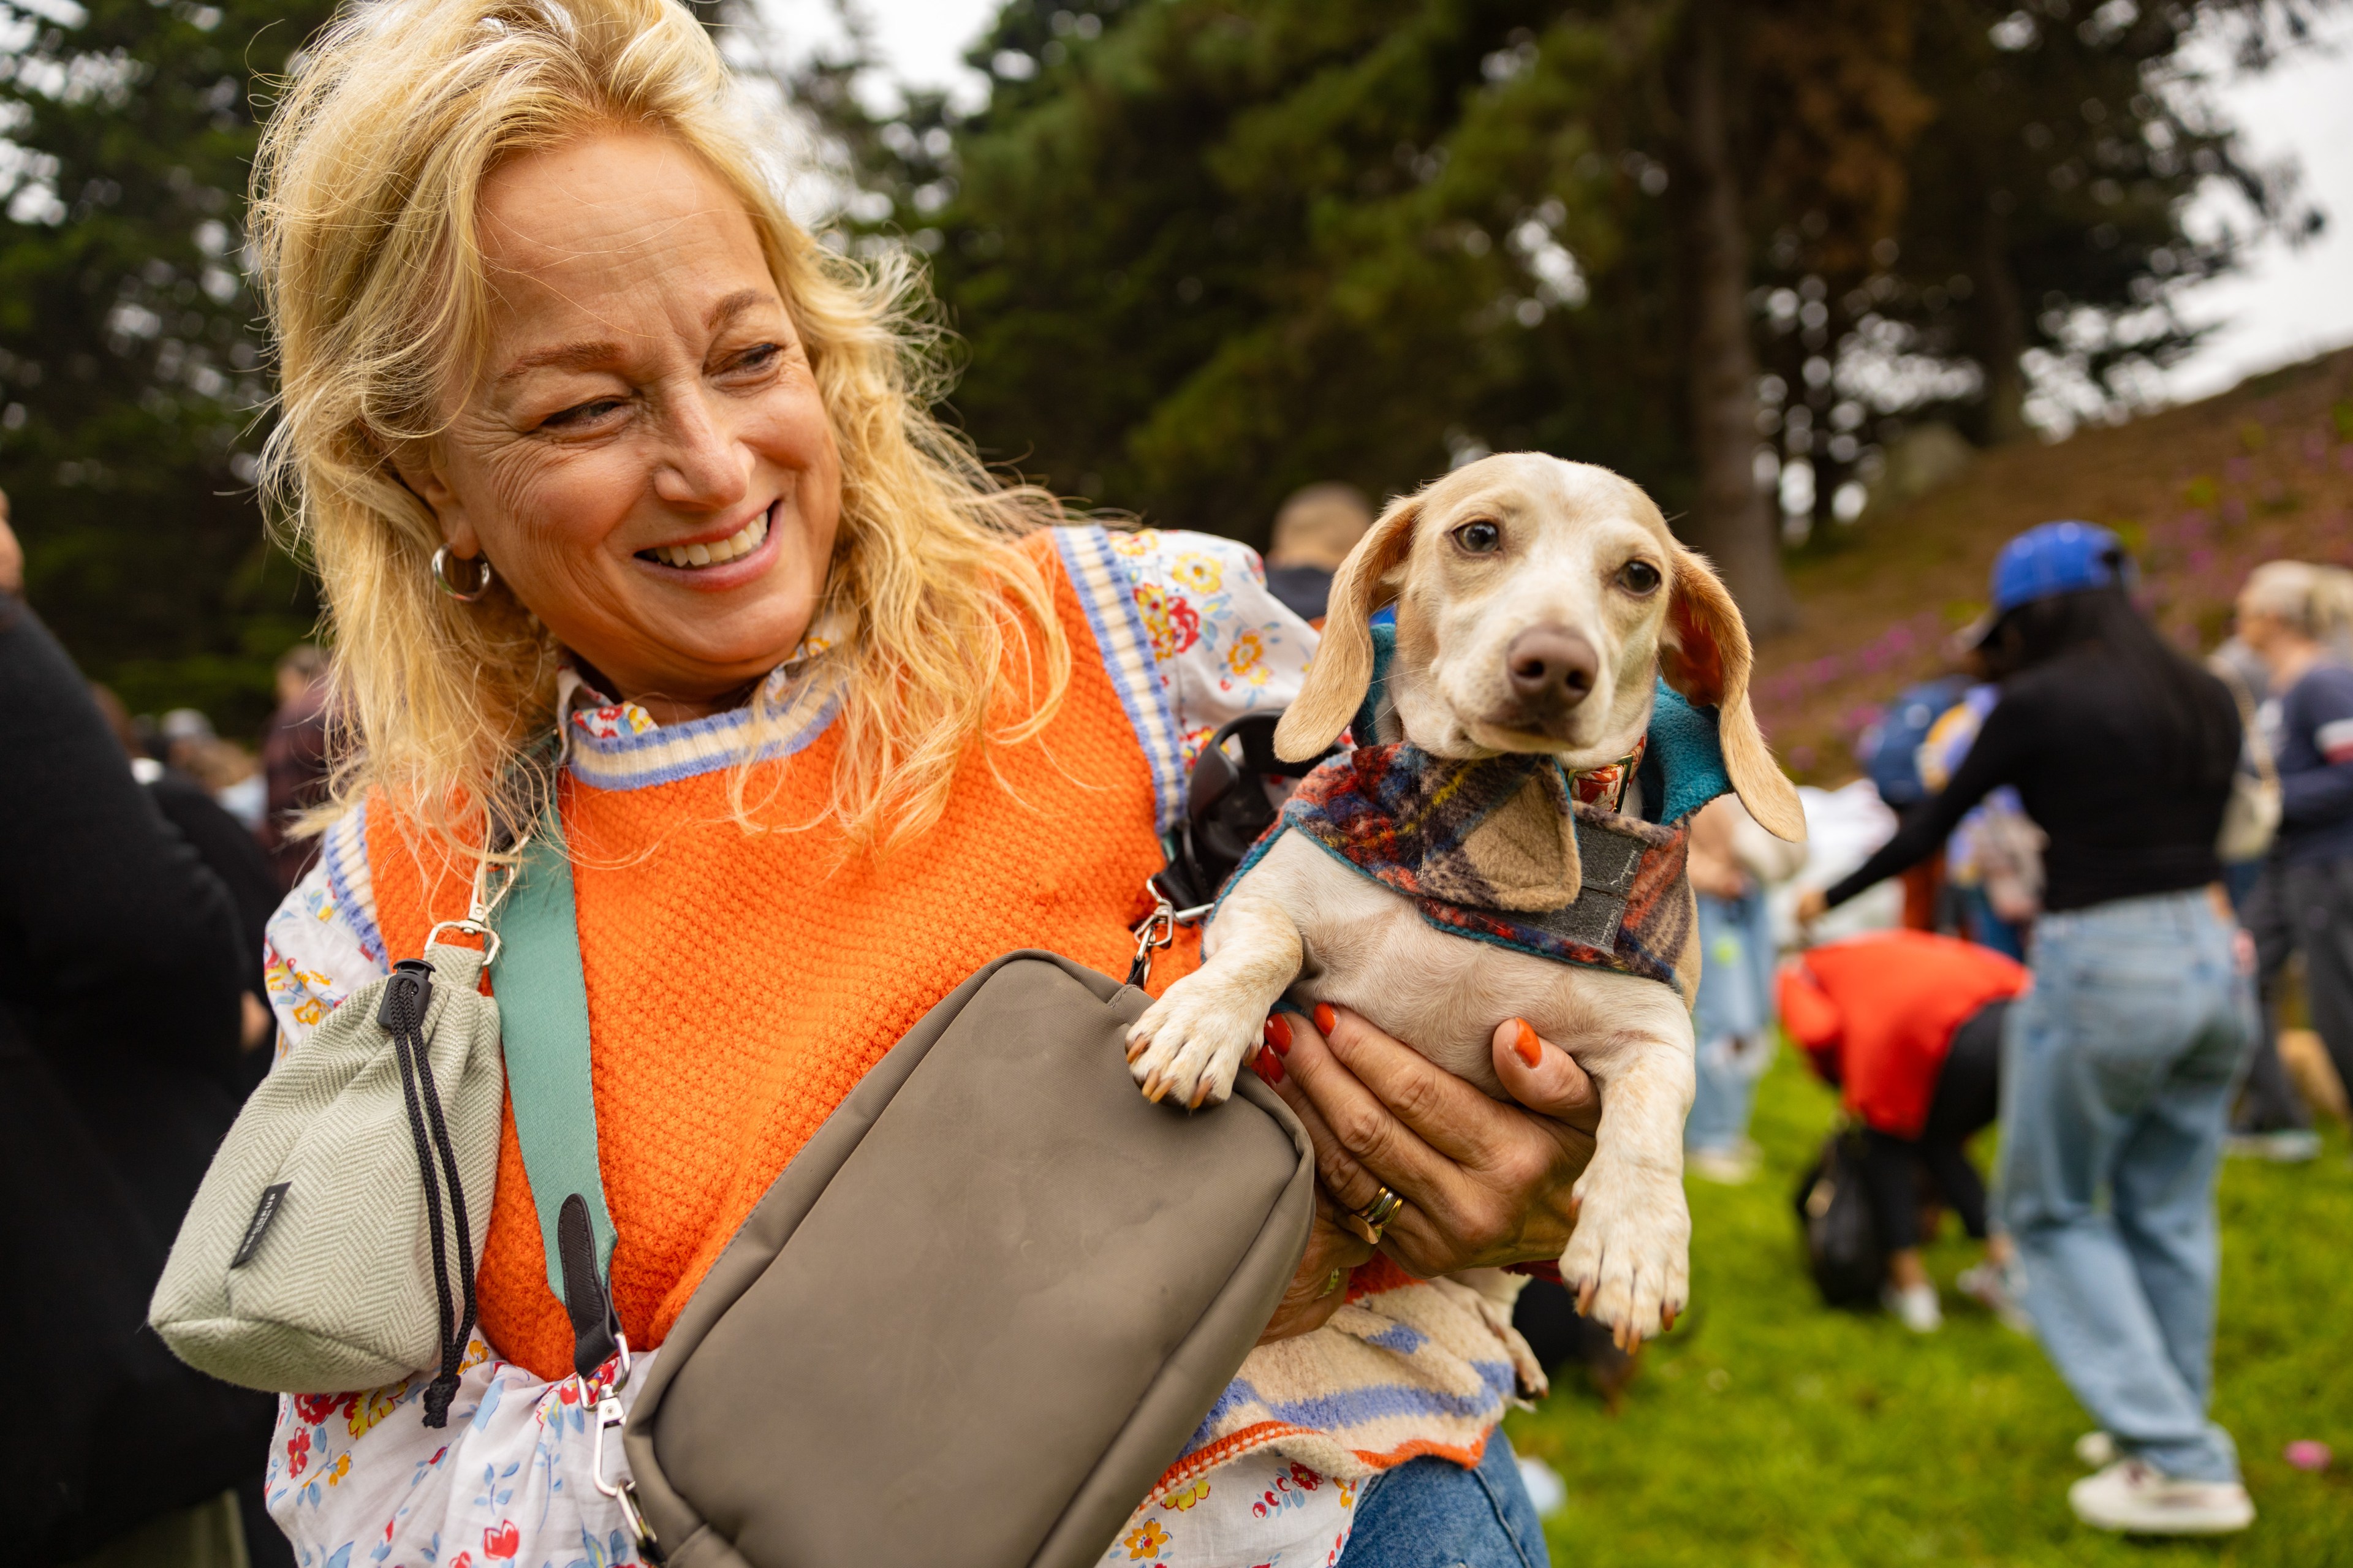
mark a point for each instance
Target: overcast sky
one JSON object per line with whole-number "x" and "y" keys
{"x": 2289, "y": 305}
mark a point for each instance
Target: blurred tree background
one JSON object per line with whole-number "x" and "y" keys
{"x": 1204, "y": 251}
{"x": 1200, "y": 252}
{"x": 130, "y": 373}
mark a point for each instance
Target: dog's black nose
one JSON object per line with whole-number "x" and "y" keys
{"x": 1550, "y": 665}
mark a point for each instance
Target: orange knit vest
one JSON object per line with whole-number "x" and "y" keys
{"x": 739, "y": 984}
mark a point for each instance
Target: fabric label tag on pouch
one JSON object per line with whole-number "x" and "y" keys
{"x": 272, "y": 1199}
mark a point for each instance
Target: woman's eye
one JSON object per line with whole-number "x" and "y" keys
{"x": 1481, "y": 538}
{"x": 581, "y": 413}
{"x": 755, "y": 360}
{"x": 1638, "y": 576}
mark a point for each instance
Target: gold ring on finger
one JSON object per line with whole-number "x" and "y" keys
{"x": 1374, "y": 1218}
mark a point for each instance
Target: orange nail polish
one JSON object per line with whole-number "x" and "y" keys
{"x": 1278, "y": 1034}
{"x": 1268, "y": 1066}
{"x": 1325, "y": 1016}
{"x": 1530, "y": 1048}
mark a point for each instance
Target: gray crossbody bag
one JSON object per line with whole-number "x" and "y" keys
{"x": 987, "y": 1303}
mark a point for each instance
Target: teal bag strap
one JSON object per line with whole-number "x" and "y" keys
{"x": 543, "y": 1031}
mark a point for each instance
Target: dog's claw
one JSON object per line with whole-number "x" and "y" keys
{"x": 1189, "y": 1046}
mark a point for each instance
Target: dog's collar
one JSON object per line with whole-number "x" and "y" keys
{"x": 1605, "y": 787}
{"x": 1481, "y": 848}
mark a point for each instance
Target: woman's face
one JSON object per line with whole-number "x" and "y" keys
{"x": 2258, "y": 628}
{"x": 644, "y": 459}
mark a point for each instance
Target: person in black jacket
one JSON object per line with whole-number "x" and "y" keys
{"x": 2118, "y": 1065}
{"x": 121, "y": 972}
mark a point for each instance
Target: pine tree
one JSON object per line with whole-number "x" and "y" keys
{"x": 1203, "y": 250}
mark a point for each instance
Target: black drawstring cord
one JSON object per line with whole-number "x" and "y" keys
{"x": 402, "y": 1014}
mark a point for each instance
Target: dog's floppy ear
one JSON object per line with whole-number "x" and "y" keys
{"x": 1704, "y": 655}
{"x": 1343, "y": 668}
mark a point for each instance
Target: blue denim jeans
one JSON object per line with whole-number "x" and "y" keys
{"x": 1433, "y": 1514}
{"x": 1732, "y": 1019}
{"x": 2117, "y": 1072}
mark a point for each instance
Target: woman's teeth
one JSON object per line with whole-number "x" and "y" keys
{"x": 743, "y": 542}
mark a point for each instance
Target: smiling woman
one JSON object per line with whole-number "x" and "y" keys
{"x": 631, "y": 518}
{"x": 560, "y": 325}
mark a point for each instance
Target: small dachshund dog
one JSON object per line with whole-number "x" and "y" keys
{"x": 1539, "y": 604}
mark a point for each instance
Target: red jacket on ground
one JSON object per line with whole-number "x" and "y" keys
{"x": 1876, "y": 1015}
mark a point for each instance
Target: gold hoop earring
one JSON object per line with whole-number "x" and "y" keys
{"x": 442, "y": 559}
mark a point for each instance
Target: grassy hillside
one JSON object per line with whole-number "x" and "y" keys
{"x": 2201, "y": 493}
{"x": 1769, "y": 1430}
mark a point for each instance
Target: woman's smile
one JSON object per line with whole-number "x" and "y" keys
{"x": 698, "y": 560}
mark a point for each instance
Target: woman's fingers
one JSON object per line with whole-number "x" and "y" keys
{"x": 1544, "y": 1078}
{"x": 1414, "y": 1094}
{"x": 1483, "y": 1181}
{"x": 1320, "y": 1288}
{"x": 1360, "y": 1123}
{"x": 1339, "y": 1171}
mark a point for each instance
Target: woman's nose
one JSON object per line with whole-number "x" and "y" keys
{"x": 704, "y": 467}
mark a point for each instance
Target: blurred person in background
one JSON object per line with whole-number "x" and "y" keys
{"x": 1907, "y": 1027}
{"x": 1312, "y": 534}
{"x": 226, "y": 769}
{"x": 1733, "y": 863}
{"x": 2295, "y": 618}
{"x": 294, "y": 760}
{"x": 232, "y": 853}
{"x": 2118, "y": 1066}
{"x": 1890, "y": 752}
{"x": 1994, "y": 862}
{"x": 121, "y": 1020}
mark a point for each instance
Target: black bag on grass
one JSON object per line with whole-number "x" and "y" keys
{"x": 1843, "y": 1250}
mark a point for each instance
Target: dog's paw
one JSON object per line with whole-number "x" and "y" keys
{"x": 1628, "y": 1260}
{"x": 1190, "y": 1043}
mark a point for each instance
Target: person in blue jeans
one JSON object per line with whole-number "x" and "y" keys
{"x": 1733, "y": 861}
{"x": 2118, "y": 1066}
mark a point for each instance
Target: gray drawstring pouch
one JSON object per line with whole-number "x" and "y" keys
{"x": 332, "y": 1243}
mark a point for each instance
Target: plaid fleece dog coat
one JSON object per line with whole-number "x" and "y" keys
{"x": 1502, "y": 849}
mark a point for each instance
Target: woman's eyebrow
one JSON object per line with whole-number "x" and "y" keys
{"x": 568, "y": 357}
{"x": 595, "y": 355}
{"x": 735, "y": 305}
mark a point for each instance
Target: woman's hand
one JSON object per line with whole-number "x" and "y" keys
{"x": 1321, "y": 1285}
{"x": 1812, "y": 905}
{"x": 1485, "y": 1182}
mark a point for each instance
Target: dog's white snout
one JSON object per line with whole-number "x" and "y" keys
{"x": 1551, "y": 670}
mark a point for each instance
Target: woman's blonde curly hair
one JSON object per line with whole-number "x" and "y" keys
{"x": 363, "y": 229}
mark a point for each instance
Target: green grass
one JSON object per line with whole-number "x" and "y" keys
{"x": 1768, "y": 1430}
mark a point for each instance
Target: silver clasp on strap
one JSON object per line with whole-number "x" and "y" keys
{"x": 473, "y": 928}
{"x": 1158, "y": 929}
{"x": 610, "y": 1417}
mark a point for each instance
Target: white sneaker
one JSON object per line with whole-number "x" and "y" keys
{"x": 2138, "y": 1499}
{"x": 1997, "y": 1290}
{"x": 1914, "y": 1306}
{"x": 2096, "y": 1450}
{"x": 1732, "y": 1165}
{"x": 2288, "y": 1146}
{"x": 1546, "y": 1490}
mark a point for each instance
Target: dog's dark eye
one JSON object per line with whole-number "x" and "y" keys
{"x": 1479, "y": 538}
{"x": 1638, "y": 576}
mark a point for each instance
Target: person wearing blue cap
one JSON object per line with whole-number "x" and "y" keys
{"x": 2119, "y": 1064}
